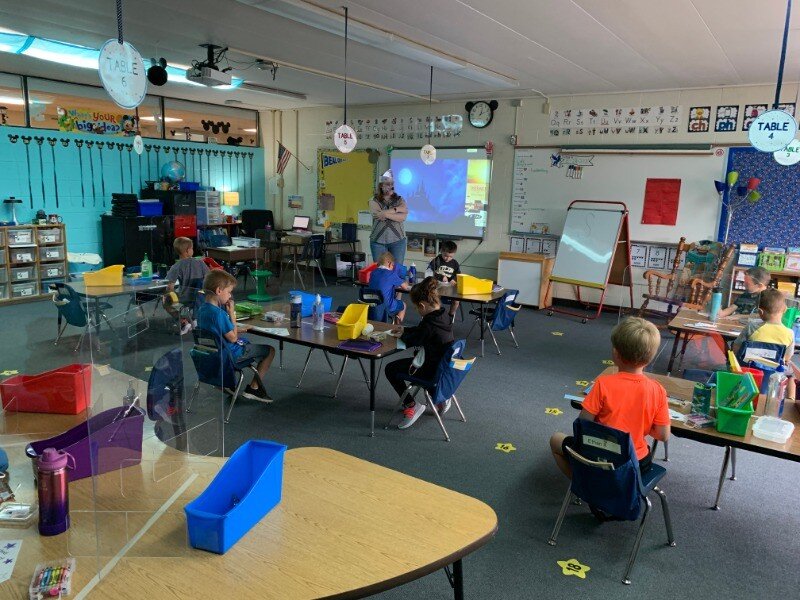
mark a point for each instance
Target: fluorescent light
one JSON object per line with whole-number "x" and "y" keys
{"x": 264, "y": 89}
{"x": 165, "y": 119}
{"x": 18, "y": 101}
{"x": 250, "y": 130}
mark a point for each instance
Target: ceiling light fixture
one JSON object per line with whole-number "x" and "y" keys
{"x": 265, "y": 89}
{"x": 164, "y": 119}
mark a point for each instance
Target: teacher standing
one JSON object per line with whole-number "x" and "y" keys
{"x": 389, "y": 212}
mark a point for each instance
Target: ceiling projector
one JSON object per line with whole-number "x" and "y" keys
{"x": 208, "y": 76}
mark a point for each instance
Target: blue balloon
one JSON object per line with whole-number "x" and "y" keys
{"x": 173, "y": 172}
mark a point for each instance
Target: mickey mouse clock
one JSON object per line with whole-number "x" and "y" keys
{"x": 481, "y": 113}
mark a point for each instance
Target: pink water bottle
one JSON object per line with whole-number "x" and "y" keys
{"x": 52, "y": 483}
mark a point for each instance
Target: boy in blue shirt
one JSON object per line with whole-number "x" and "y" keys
{"x": 217, "y": 316}
{"x": 387, "y": 281}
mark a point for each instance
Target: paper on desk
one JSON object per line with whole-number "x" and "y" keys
{"x": 677, "y": 416}
{"x": 272, "y": 330}
{"x": 9, "y": 550}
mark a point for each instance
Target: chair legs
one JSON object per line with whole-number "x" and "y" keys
{"x": 436, "y": 414}
{"x": 192, "y": 397}
{"x": 513, "y": 337}
{"x": 638, "y": 542}
{"x": 60, "y": 333}
{"x": 560, "y": 519}
{"x": 494, "y": 339}
{"x": 667, "y": 518}
{"x": 305, "y": 366}
{"x": 396, "y": 409}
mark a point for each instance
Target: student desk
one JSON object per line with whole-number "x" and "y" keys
{"x": 295, "y": 245}
{"x": 232, "y": 254}
{"x": 333, "y": 535}
{"x": 326, "y": 340}
{"x": 681, "y": 389}
{"x": 95, "y": 293}
{"x": 688, "y": 323}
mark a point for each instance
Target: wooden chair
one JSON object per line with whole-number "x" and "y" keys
{"x": 701, "y": 288}
{"x": 667, "y": 287}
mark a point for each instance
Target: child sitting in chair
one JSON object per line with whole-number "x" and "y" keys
{"x": 387, "y": 281}
{"x": 186, "y": 270}
{"x": 627, "y": 400}
{"x": 756, "y": 280}
{"x": 445, "y": 268}
{"x": 217, "y": 315}
{"x": 434, "y": 334}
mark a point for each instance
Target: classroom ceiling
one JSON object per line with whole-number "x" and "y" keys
{"x": 480, "y": 48}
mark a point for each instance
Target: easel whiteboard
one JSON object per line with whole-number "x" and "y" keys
{"x": 541, "y": 192}
{"x": 588, "y": 245}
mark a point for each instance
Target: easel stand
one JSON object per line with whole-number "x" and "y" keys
{"x": 590, "y": 238}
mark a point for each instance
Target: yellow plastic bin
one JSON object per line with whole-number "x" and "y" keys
{"x": 352, "y": 322}
{"x": 469, "y": 285}
{"x": 108, "y": 276}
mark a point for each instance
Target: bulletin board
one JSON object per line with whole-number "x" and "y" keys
{"x": 350, "y": 179}
{"x": 545, "y": 181}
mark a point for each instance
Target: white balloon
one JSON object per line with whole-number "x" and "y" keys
{"x": 428, "y": 154}
{"x": 345, "y": 139}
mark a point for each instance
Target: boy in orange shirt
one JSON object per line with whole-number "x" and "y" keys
{"x": 628, "y": 400}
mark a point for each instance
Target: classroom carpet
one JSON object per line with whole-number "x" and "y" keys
{"x": 508, "y": 401}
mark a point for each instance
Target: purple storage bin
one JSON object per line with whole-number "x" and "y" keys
{"x": 106, "y": 442}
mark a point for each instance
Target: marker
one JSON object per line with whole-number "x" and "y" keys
{"x": 39, "y": 579}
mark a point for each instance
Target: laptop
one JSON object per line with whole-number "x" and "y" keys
{"x": 301, "y": 225}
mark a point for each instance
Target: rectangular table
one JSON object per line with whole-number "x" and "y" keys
{"x": 327, "y": 341}
{"x": 689, "y": 322}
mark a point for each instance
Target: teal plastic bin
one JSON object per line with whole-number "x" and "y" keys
{"x": 246, "y": 488}
{"x": 308, "y": 301}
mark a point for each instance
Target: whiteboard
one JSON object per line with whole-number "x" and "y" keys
{"x": 541, "y": 192}
{"x": 587, "y": 246}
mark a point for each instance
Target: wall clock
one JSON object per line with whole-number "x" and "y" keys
{"x": 481, "y": 113}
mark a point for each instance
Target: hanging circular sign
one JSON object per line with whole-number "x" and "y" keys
{"x": 345, "y": 139}
{"x": 790, "y": 155}
{"x": 428, "y": 154}
{"x": 772, "y": 131}
{"x": 122, "y": 73}
{"x": 138, "y": 144}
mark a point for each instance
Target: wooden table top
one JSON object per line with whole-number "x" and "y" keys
{"x": 339, "y": 532}
{"x": 687, "y": 320}
{"x": 449, "y": 291}
{"x": 682, "y": 390}
{"x": 306, "y": 336}
{"x": 107, "y": 291}
{"x": 236, "y": 253}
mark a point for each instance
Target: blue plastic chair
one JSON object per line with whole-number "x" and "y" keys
{"x": 500, "y": 317}
{"x": 373, "y": 298}
{"x": 216, "y": 366}
{"x": 605, "y": 475}
{"x": 165, "y": 398}
{"x": 450, "y": 373}
{"x": 74, "y": 310}
{"x": 772, "y": 352}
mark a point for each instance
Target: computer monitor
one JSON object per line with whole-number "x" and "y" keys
{"x": 301, "y": 223}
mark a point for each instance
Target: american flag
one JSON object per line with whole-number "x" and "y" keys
{"x": 283, "y": 158}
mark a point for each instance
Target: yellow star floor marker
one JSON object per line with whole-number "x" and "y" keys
{"x": 573, "y": 567}
{"x": 581, "y": 382}
{"x": 505, "y": 447}
{"x": 9, "y": 373}
{"x": 102, "y": 369}
{"x": 608, "y": 361}
{"x": 148, "y": 369}
{"x": 557, "y": 333}
{"x": 553, "y": 411}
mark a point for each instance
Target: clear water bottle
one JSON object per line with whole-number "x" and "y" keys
{"x": 776, "y": 391}
{"x": 716, "y": 304}
{"x": 53, "y": 489}
{"x": 296, "y": 310}
{"x": 318, "y": 314}
{"x": 412, "y": 274}
{"x": 147, "y": 267}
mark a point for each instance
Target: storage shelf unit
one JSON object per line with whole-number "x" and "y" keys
{"x": 786, "y": 281}
{"x": 31, "y": 258}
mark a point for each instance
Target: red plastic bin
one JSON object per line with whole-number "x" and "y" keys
{"x": 65, "y": 391}
{"x": 364, "y": 274}
{"x": 758, "y": 375}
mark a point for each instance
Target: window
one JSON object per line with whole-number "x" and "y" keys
{"x": 12, "y": 102}
{"x": 84, "y": 109}
{"x": 210, "y": 123}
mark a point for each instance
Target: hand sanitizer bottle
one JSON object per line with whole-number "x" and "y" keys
{"x": 318, "y": 315}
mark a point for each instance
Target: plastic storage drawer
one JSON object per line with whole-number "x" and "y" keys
{"x": 22, "y": 255}
{"x": 3, "y": 292}
{"x": 24, "y": 290}
{"x": 23, "y": 273}
{"x": 2, "y": 256}
{"x": 2, "y": 237}
{"x": 51, "y": 253}
{"x": 49, "y": 236}
{"x": 3, "y": 276}
{"x": 54, "y": 270}
{"x": 20, "y": 236}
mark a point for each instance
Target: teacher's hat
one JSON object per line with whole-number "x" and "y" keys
{"x": 387, "y": 177}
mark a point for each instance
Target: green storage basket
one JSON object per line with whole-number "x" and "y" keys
{"x": 734, "y": 420}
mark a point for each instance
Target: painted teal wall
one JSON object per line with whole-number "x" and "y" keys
{"x": 84, "y": 195}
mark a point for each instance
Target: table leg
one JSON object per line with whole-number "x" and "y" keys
{"x": 722, "y": 473}
{"x": 458, "y": 580}
{"x": 482, "y": 314}
{"x": 372, "y": 384}
{"x": 674, "y": 352}
{"x": 280, "y": 351}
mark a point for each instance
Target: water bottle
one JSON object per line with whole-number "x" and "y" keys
{"x": 412, "y": 274}
{"x": 296, "y": 313}
{"x": 51, "y": 481}
{"x": 318, "y": 315}
{"x": 776, "y": 390}
{"x": 147, "y": 267}
{"x": 716, "y": 304}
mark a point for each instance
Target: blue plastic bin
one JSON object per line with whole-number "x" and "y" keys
{"x": 189, "y": 186}
{"x": 308, "y": 301}
{"x": 150, "y": 209}
{"x": 246, "y": 488}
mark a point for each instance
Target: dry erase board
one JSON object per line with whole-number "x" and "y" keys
{"x": 545, "y": 181}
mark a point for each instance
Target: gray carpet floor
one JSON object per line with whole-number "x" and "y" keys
{"x": 725, "y": 554}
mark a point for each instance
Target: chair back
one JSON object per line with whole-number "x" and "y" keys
{"x": 506, "y": 311}
{"x": 314, "y": 248}
{"x": 254, "y": 219}
{"x": 165, "y": 386}
{"x": 212, "y": 359}
{"x": 188, "y": 293}
{"x": 68, "y": 304}
{"x": 268, "y": 239}
{"x": 451, "y": 372}
{"x": 750, "y": 350}
{"x": 605, "y": 470}
{"x": 374, "y": 299}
